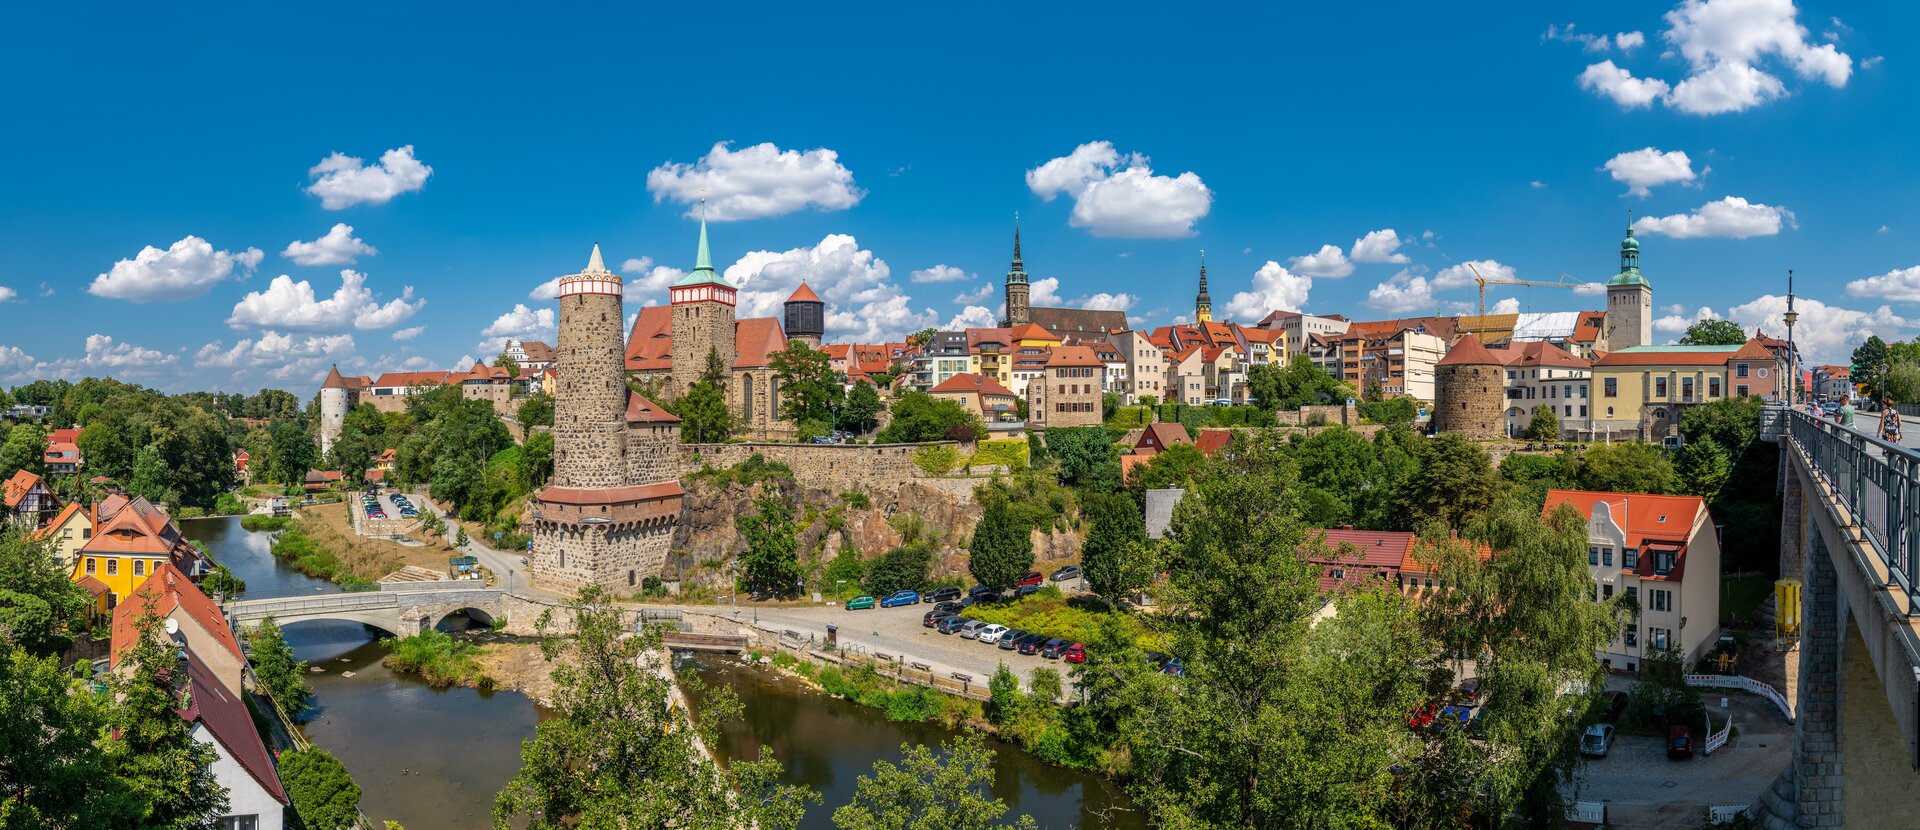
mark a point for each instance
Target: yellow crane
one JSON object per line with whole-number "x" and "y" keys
{"x": 1483, "y": 281}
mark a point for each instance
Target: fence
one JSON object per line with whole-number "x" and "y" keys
{"x": 1745, "y": 684}
{"x": 1587, "y": 812}
{"x": 1879, "y": 485}
{"x": 901, "y": 668}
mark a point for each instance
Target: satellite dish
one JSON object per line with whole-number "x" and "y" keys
{"x": 172, "y": 626}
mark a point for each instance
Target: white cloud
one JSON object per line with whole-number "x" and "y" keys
{"x": 941, "y": 273}
{"x": 1274, "y": 287}
{"x": 756, "y": 182}
{"x": 1625, "y": 41}
{"x": 1724, "y": 43}
{"x": 1329, "y": 261}
{"x": 287, "y": 304}
{"x": 1537, "y": 184}
{"x": 185, "y": 269}
{"x": 338, "y": 247}
{"x": 1677, "y": 321}
{"x": 1104, "y": 301}
{"x": 1120, "y": 196}
{"x": 47, "y": 290}
{"x": 7, "y": 293}
{"x": 636, "y": 266}
{"x": 1461, "y": 275}
{"x": 521, "y": 323}
{"x": 1647, "y": 167}
{"x": 1629, "y": 41}
{"x": 1901, "y": 285}
{"x": 104, "y": 357}
{"x": 1872, "y": 62}
{"x": 1402, "y": 293}
{"x": 972, "y": 317}
{"x": 1883, "y": 229}
{"x": 408, "y": 333}
{"x": 342, "y": 181}
{"x": 285, "y": 355}
{"x": 864, "y": 303}
{"x": 654, "y": 279}
{"x": 1731, "y": 218}
{"x": 15, "y": 364}
{"x": 1044, "y": 292}
{"x": 1379, "y": 246}
{"x": 1825, "y": 333}
{"x": 977, "y": 295}
{"x": 1510, "y": 305}
{"x": 1590, "y": 289}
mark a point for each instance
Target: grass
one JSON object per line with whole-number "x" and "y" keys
{"x": 261, "y": 521}
{"x": 1744, "y": 596}
{"x": 439, "y": 659}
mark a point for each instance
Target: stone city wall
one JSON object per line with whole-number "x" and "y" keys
{"x": 818, "y": 464}
{"x": 1334, "y": 414}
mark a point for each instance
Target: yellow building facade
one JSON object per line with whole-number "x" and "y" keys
{"x": 1643, "y": 387}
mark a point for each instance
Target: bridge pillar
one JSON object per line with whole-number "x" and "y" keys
{"x": 1793, "y": 524}
{"x": 1817, "y": 765}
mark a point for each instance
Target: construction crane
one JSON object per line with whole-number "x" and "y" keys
{"x": 1483, "y": 281}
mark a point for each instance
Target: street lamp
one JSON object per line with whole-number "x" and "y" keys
{"x": 1793, "y": 356}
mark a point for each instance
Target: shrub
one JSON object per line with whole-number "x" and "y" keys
{"x": 856, "y": 499}
{"x": 438, "y": 658}
{"x": 323, "y": 794}
{"x": 938, "y": 459}
{"x": 226, "y": 504}
{"x": 264, "y": 522}
{"x": 902, "y": 568}
{"x": 1008, "y": 452}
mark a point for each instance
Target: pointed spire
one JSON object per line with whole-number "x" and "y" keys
{"x": 1016, "y": 240}
{"x": 702, "y": 258}
{"x": 1203, "y": 275}
{"x": 595, "y": 265}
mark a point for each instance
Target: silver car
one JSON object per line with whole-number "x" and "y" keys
{"x": 971, "y": 630}
{"x": 1597, "y": 740}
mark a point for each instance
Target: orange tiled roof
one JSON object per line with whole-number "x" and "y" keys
{"x": 803, "y": 294}
{"x": 650, "y": 341}
{"x": 643, "y": 411}
{"x": 164, "y": 592}
{"x": 966, "y": 383}
{"x": 1073, "y": 356}
{"x": 1029, "y": 331}
{"x": 16, "y": 487}
{"x": 47, "y": 531}
{"x": 1649, "y": 521}
{"x": 1665, "y": 358}
{"x": 1755, "y": 349}
{"x": 406, "y": 379}
{"x": 1467, "y": 351}
{"x": 1213, "y": 440}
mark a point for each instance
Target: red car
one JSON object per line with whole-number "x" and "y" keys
{"x": 1423, "y": 716}
{"x": 1679, "y": 743}
{"x": 1075, "y": 653}
{"x": 1033, "y": 578}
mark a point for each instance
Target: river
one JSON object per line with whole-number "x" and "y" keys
{"x": 432, "y": 759}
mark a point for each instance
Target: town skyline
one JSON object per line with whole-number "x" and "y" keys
{"x": 394, "y": 235}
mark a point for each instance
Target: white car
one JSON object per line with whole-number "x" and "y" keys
{"x": 991, "y": 634}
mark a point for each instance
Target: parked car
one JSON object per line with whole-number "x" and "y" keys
{"x": 1011, "y": 640}
{"x": 949, "y": 607}
{"x": 1032, "y": 578}
{"x": 860, "y": 603}
{"x": 947, "y": 594}
{"x": 1469, "y": 691}
{"x": 1452, "y": 716}
{"x": 1175, "y": 666}
{"x": 990, "y": 634}
{"x": 1025, "y": 590}
{"x": 951, "y": 624}
{"x": 1066, "y": 573}
{"x": 1032, "y": 643}
{"x": 1075, "y": 653}
{"x": 978, "y": 591}
{"x": 934, "y": 617}
{"x": 1422, "y": 717}
{"x": 971, "y": 629}
{"x": 1679, "y": 742}
{"x": 1597, "y": 741}
{"x": 1616, "y": 706}
{"x": 901, "y": 598}
{"x": 1053, "y": 648}
{"x": 1157, "y": 659}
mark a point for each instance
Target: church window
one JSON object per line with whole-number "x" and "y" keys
{"x": 746, "y": 396}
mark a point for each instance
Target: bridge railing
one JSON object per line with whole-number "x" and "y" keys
{"x": 1878, "y": 482}
{"x": 314, "y": 604}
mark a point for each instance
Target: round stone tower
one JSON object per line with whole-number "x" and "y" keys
{"x": 806, "y": 317}
{"x": 590, "y": 400}
{"x": 334, "y": 404}
{"x": 703, "y": 321}
{"x": 1469, "y": 391}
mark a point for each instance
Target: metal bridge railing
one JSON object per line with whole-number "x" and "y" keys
{"x": 309, "y": 605}
{"x": 1878, "y": 482}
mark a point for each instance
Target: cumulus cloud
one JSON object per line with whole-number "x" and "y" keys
{"x": 1825, "y": 333}
{"x": 283, "y": 355}
{"x": 864, "y": 303}
{"x": 1647, "y": 167}
{"x": 1510, "y": 305}
{"x": 408, "y": 333}
{"x": 1461, "y": 275}
{"x": 1901, "y": 285}
{"x": 7, "y": 294}
{"x": 940, "y": 273}
{"x": 1329, "y": 261}
{"x": 1725, "y": 44}
{"x": 653, "y": 281}
{"x": 756, "y": 182}
{"x": 103, "y": 358}
{"x": 338, "y": 247}
{"x": 1121, "y": 196}
{"x": 287, "y": 304}
{"x": 1402, "y": 293}
{"x": 1104, "y": 301}
{"x": 1624, "y": 41}
{"x": 1044, "y": 292}
{"x": 976, "y": 295}
{"x": 184, "y": 270}
{"x": 15, "y": 364}
{"x": 1677, "y": 321}
{"x": 1729, "y": 218}
{"x": 1274, "y": 287}
{"x": 342, "y": 181}
{"x": 1379, "y": 246}
{"x": 521, "y": 323}
{"x": 1590, "y": 289}
{"x": 972, "y": 317}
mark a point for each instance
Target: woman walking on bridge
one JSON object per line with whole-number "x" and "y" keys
{"x": 1889, "y": 422}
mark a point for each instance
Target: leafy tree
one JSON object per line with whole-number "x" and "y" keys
{"x": 1545, "y": 426}
{"x": 903, "y": 568}
{"x": 1002, "y": 548}
{"x": 1703, "y": 468}
{"x": 919, "y": 338}
{"x": 323, "y": 794}
{"x": 1733, "y": 423}
{"x": 1870, "y": 360}
{"x": 918, "y": 416}
{"x": 1714, "y": 333}
{"x": 1170, "y": 467}
{"x": 773, "y": 541}
{"x": 1625, "y": 467}
{"x": 1529, "y": 477}
{"x": 460, "y": 537}
{"x": 1109, "y": 404}
{"x": 1391, "y": 412}
{"x": 25, "y": 449}
{"x": 1455, "y": 483}
{"x": 704, "y": 417}
{"x": 536, "y": 461}
{"x": 273, "y": 663}
{"x": 512, "y": 366}
{"x": 170, "y": 773}
{"x": 1903, "y": 383}
{"x": 292, "y": 453}
{"x": 809, "y": 389}
{"x": 861, "y": 412}
{"x": 222, "y": 581}
{"x": 926, "y": 791}
{"x": 535, "y": 411}
{"x": 55, "y": 771}
{"x": 1116, "y": 556}
{"x": 1341, "y": 478}
{"x": 1300, "y": 382}
{"x": 619, "y": 753}
{"x": 150, "y": 476}
{"x": 1661, "y": 696}
{"x": 37, "y": 601}
{"x": 1088, "y": 457}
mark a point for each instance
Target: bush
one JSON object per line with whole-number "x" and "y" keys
{"x": 937, "y": 460}
{"x": 902, "y": 568}
{"x": 1008, "y": 452}
{"x": 226, "y": 504}
{"x": 856, "y": 499}
{"x": 438, "y": 658}
{"x": 259, "y": 522}
{"x": 323, "y": 794}
{"x": 750, "y": 472}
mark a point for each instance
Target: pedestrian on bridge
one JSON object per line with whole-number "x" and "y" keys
{"x": 1845, "y": 413}
{"x": 1889, "y": 422}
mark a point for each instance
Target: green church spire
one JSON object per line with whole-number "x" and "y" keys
{"x": 1629, "y": 259}
{"x": 703, "y": 259}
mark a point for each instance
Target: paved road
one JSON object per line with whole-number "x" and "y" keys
{"x": 1638, "y": 772}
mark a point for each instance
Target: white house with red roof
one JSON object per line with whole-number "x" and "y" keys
{"x": 1664, "y": 552}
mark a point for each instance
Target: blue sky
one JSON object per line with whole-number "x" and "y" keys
{"x": 1344, "y": 159}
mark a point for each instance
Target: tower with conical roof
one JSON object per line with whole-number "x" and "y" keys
{"x": 703, "y": 321}
{"x": 1202, "y": 303}
{"x": 1017, "y": 307}
{"x": 336, "y": 397}
{"x": 1469, "y": 391}
{"x": 806, "y": 317}
{"x": 1629, "y": 300}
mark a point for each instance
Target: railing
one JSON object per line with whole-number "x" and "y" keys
{"x": 1878, "y": 482}
{"x": 324, "y": 602}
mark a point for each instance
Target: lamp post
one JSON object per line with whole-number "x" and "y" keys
{"x": 1793, "y": 355}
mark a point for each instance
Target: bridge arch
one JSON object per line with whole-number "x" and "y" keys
{"x": 479, "y": 616}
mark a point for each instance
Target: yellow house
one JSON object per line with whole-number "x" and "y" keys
{"x": 1644, "y": 386}
{"x": 1028, "y": 334}
{"x": 66, "y": 534}
{"x": 131, "y": 539}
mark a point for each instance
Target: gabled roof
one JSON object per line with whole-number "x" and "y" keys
{"x": 1467, "y": 351}
{"x": 1755, "y": 349}
{"x": 643, "y": 411}
{"x": 406, "y": 379}
{"x": 1073, "y": 356}
{"x": 225, "y": 717}
{"x": 1213, "y": 440}
{"x": 165, "y": 591}
{"x": 1541, "y": 354}
{"x": 1164, "y": 435}
{"x": 1029, "y": 331}
{"x": 1588, "y": 329}
{"x": 1649, "y": 521}
{"x": 17, "y": 487}
{"x": 650, "y": 341}
{"x": 755, "y": 339}
{"x": 967, "y": 383}
{"x": 1065, "y": 320}
{"x": 60, "y": 521}
{"x": 537, "y": 351}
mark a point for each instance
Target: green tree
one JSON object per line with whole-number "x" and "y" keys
{"x": 1088, "y": 457}
{"x": 363, "y": 434}
{"x": 536, "y": 461}
{"x": 903, "y": 568}
{"x": 25, "y": 449}
{"x": 704, "y": 417}
{"x": 273, "y": 663}
{"x": 38, "y": 603}
{"x": 809, "y": 388}
{"x": 1003, "y": 695}
{"x": 55, "y": 771}
{"x": 292, "y": 453}
{"x": 1733, "y": 423}
{"x": 1714, "y": 333}
{"x": 1529, "y": 477}
{"x": 1455, "y": 483}
{"x": 620, "y": 753}
{"x": 1340, "y": 477}
{"x": 920, "y": 338}
{"x": 535, "y": 411}
{"x": 170, "y": 773}
{"x": 918, "y": 416}
{"x": 1115, "y": 558}
{"x": 150, "y": 476}
{"x": 1391, "y": 412}
{"x": 1170, "y": 467}
{"x": 1299, "y": 382}
{"x": 1870, "y": 360}
{"x": 771, "y": 563}
{"x": 925, "y": 791}
{"x": 1544, "y": 426}
{"x": 1903, "y": 383}
{"x": 512, "y": 366}
{"x": 1625, "y": 467}
{"x": 323, "y": 794}
{"x": 1001, "y": 550}
{"x": 861, "y": 412}
{"x": 222, "y": 581}
{"x": 1703, "y": 468}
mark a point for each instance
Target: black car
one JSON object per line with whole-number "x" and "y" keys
{"x": 950, "y": 607}
{"x": 1066, "y": 573}
{"x": 1158, "y": 660}
{"x": 947, "y": 594}
{"x": 1052, "y": 649}
{"x": 1025, "y": 590}
{"x": 979, "y": 591}
{"x": 1010, "y": 640}
{"x": 1616, "y": 706}
{"x": 934, "y": 617}
{"x": 1032, "y": 643}
{"x": 951, "y": 624}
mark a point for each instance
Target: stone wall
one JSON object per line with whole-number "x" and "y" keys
{"x": 1469, "y": 400}
{"x": 818, "y": 465}
{"x": 653, "y": 452}
{"x": 614, "y": 556}
{"x": 1332, "y": 414}
{"x": 699, "y": 328}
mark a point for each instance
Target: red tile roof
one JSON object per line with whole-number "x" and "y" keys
{"x": 406, "y": 379}
{"x": 226, "y": 718}
{"x": 1213, "y": 440}
{"x": 1754, "y": 349}
{"x": 1073, "y": 356}
{"x": 1651, "y": 522}
{"x": 1467, "y": 351}
{"x": 16, "y": 487}
{"x": 755, "y": 339}
{"x": 1029, "y": 331}
{"x": 966, "y": 383}
{"x": 1587, "y": 328}
{"x": 610, "y": 495}
{"x": 168, "y": 590}
{"x": 643, "y": 411}
{"x": 650, "y": 342}
{"x": 803, "y": 294}
{"x": 1666, "y": 358}
{"x": 1161, "y": 435}
{"x": 537, "y": 351}
{"x": 1540, "y": 353}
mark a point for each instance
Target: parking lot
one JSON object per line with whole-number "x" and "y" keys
{"x": 394, "y": 524}
{"x": 1637, "y": 771}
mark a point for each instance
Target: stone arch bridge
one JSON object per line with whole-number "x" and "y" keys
{"x": 401, "y": 610}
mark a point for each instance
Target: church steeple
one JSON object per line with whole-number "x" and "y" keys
{"x": 703, "y": 276}
{"x": 1017, "y": 310}
{"x": 1202, "y": 303}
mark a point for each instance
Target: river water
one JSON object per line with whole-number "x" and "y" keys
{"x": 432, "y": 759}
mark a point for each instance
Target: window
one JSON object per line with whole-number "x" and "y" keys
{"x": 1659, "y": 387}
{"x": 248, "y": 822}
{"x": 90, "y": 565}
{"x": 1583, "y": 410}
{"x": 1569, "y": 390}
{"x": 1633, "y": 634}
{"x": 1610, "y": 388}
{"x": 1739, "y": 370}
{"x": 1606, "y": 591}
{"x": 1593, "y": 555}
{"x": 1659, "y": 638}
{"x": 1686, "y": 387}
{"x": 1713, "y": 387}
{"x": 1662, "y": 562}
{"x": 139, "y": 567}
{"x": 113, "y": 567}
{"x": 1629, "y": 558}
{"x": 1633, "y": 595}
{"x": 1609, "y": 411}
{"x": 1662, "y": 600}
{"x": 1339, "y": 573}
{"x": 1740, "y": 390}
{"x": 1606, "y": 556}
{"x": 1569, "y": 411}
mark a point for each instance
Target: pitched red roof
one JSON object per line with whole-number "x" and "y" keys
{"x": 1540, "y": 353}
{"x": 803, "y": 294}
{"x": 1161, "y": 435}
{"x": 406, "y": 379}
{"x": 1755, "y": 349}
{"x": 1073, "y": 356}
{"x": 1651, "y": 522}
{"x": 966, "y": 383}
{"x": 643, "y": 411}
{"x": 755, "y": 339}
{"x": 1587, "y": 329}
{"x": 1213, "y": 440}
{"x": 168, "y": 590}
{"x": 47, "y": 531}
{"x": 1665, "y": 358}
{"x": 16, "y": 487}
{"x": 225, "y": 717}
{"x": 650, "y": 341}
{"x": 537, "y": 351}
{"x": 334, "y": 380}
{"x": 1467, "y": 351}
{"x": 1029, "y": 331}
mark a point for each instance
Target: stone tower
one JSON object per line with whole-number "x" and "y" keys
{"x": 703, "y": 321}
{"x": 1469, "y": 391}
{"x": 1203, "y": 304}
{"x": 806, "y": 317}
{"x": 334, "y": 403}
{"x": 603, "y": 520}
{"x": 1017, "y": 309}
{"x": 1629, "y": 300}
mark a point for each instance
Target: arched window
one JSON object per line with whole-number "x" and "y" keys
{"x": 746, "y": 397}
{"x": 773, "y": 397}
